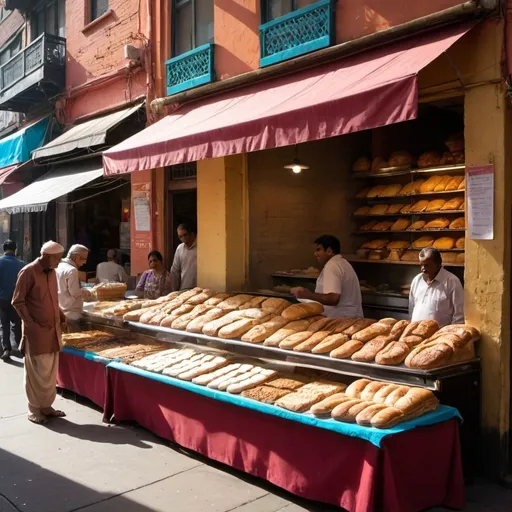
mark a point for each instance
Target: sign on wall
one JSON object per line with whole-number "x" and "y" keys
{"x": 141, "y": 198}
{"x": 480, "y": 202}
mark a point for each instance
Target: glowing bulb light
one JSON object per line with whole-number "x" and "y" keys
{"x": 296, "y": 167}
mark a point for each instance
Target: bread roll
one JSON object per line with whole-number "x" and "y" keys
{"x": 430, "y": 355}
{"x": 363, "y": 210}
{"x": 393, "y": 353}
{"x": 330, "y": 343}
{"x": 380, "y": 396}
{"x": 417, "y": 226}
{"x": 325, "y": 407}
{"x": 414, "y": 400}
{"x": 371, "y": 332}
{"x": 349, "y": 416}
{"x": 196, "y": 325}
{"x": 401, "y": 225}
{"x": 378, "y": 209}
{"x": 237, "y": 329}
{"x": 260, "y": 333}
{"x": 295, "y": 339}
{"x": 311, "y": 342}
{"x": 391, "y": 190}
{"x": 362, "y": 164}
{"x": 251, "y": 382}
{"x": 385, "y": 225}
{"x": 400, "y": 159}
{"x": 411, "y": 340}
{"x": 355, "y": 389}
{"x": 339, "y": 412}
{"x": 430, "y": 184}
{"x": 375, "y": 191}
{"x": 347, "y": 349}
{"x": 399, "y": 244}
{"x": 378, "y": 164}
{"x": 429, "y": 159}
{"x": 375, "y": 244}
{"x": 364, "y": 417}
{"x": 454, "y": 183}
{"x": 425, "y": 329}
{"x": 368, "y": 226}
{"x": 233, "y": 303}
{"x": 275, "y": 305}
{"x": 435, "y": 205}
{"x": 444, "y": 243}
{"x": 303, "y": 310}
{"x": 217, "y": 299}
{"x": 398, "y": 329}
{"x": 387, "y": 418}
{"x": 291, "y": 328}
{"x": 358, "y": 325}
{"x": 394, "y": 208}
{"x": 460, "y": 243}
{"x": 255, "y": 302}
{"x": 202, "y": 297}
{"x": 420, "y": 206}
{"x": 213, "y": 327}
{"x": 362, "y": 193}
{"x": 368, "y": 353}
{"x": 453, "y": 204}
{"x": 459, "y": 223}
{"x": 424, "y": 241}
{"x": 438, "y": 223}
{"x": 396, "y": 394}
{"x": 441, "y": 186}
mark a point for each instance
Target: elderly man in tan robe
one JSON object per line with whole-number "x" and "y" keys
{"x": 37, "y": 303}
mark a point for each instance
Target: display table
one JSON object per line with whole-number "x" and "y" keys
{"x": 84, "y": 374}
{"x": 410, "y": 471}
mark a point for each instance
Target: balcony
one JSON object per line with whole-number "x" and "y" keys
{"x": 299, "y": 32}
{"x": 34, "y": 75}
{"x": 190, "y": 69}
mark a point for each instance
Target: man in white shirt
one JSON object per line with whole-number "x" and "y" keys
{"x": 337, "y": 287}
{"x": 71, "y": 295}
{"x": 436, "y": 294}
{"x": 184, "y": 265}
{"x": 110, "y": 271}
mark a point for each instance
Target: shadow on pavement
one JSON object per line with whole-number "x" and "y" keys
{"x": 28, "y": 487}
{"x": 95, "y": 433}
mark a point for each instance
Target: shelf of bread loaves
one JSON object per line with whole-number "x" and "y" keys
{"x": 356, "y": 259}
{"x": 438, "y": 206}
{"x": 301, "y": 328}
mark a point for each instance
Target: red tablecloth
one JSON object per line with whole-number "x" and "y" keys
{"x": 84, "y": 377}
{"x": 412, "y": 471}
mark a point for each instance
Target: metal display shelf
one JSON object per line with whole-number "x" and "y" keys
{"x": 407, "y": 170}
{"x": 294, "y": 276}
{"x": 430, "y": 379}
{"x": 409, "y": 214}
{"x": 355, "y": 259}
{"x": 410, "y": 231}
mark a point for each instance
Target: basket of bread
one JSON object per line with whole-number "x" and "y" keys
{"x": 109, "y": 291}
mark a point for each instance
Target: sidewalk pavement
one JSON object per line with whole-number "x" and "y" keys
{"x": 80, "y": 464}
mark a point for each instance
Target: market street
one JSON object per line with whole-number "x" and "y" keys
{"x": 79, "y": 463}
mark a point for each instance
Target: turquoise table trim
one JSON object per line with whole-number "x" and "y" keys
{"x": 91, "y": 356}
{"x": 372, "y": 435}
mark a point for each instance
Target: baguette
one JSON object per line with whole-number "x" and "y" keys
{"x": 233, "y": 303}
{"x": 412, "y": 341}
{"x": 462, "y": 185}
{"x": 182, "y": 322}
{"x": 204, "y": 368}
{"x": 422, "y": 242}
{"x": 420, "y": 206}
{"x": 371, "y": 349}
{"x": 377, "y": 329}
{"x": 425, "y": 328}
{"x": 441, "y": 186}
{"x": 205, "y": 379}
{"x": 391, "y": 190}
{"x": 202, "y": 297}
{"x": 368, "y": 226}
{"x": 275, "y": 305}
{"x": 326, "y": 406}
{"x": 381, "y": 395}
{"x": 394, "y": 208}
{"x": 396, "y": 394}
{"x": 330, "y": 343}
{"x": 237, "y": 329}
{"x": 430, "y": 184}
{"x": 454, "y": 183}
{"x": 303, "y": 310}
{"x": 401, "y": 225}
{"x": 260, "y": 333}
{"x": 256, "y": 314}
{"x": 350, "y": 413}
{"x": 439, "y": 223}
{"x": 320, "y": 324}
{"x": 385, "y": 225}
{"x": 358, "y": 325}
{"x": 444, "y": 243}
{"x": 460, "y": 243}
{"x": 375, "y": 191}
{"x": 398, "y": 329}
{"x": 398, "y": 244}
{"x": 310, "y": 343}
{"x": 430, "y": 355}
{"x": 362, "y": 193}
{"x": 242, "y": 369}
{"x": 416, "y": 226}
{"x": 378, "y": 209}
{"x": 251, "y": 382}
{"x": 295, "y": 339}
{"x": 393, "y": 353}
{"x": 212, "y": 328}
{"x": 223, "y": 386}
{"x": 453, "y": 204}
{"x": 369, "y": 391}
{"x": 217, "y": 299}
{"x": 363, "y": 210}
{"x": 342, "y": 324}
{"x": 357, "y": 387}
{"x": 255, "y": 302}
{"x": 290, "y": 328}
{"x": 365, "y": 416}
{"x": 459, "y": 223}
{"x": 415, "y": 399}
{"x": 196, "y": 325}
{"x": 406, "y": 208}
{"x": 347, "y": 349}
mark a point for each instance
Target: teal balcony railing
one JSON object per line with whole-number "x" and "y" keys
{"x": 299, "y": 32}
{"x": 190, "y": 69}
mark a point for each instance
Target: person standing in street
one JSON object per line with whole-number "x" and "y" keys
{"x": 110, "y": 271}
{"x": 184, "y": 265}
{"x": 71, "y": 294}
{"x": 10, "y": 267}
{"x": 37, "y": 302}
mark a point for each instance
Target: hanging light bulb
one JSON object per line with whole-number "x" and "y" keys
{"x": 296, "y": 166}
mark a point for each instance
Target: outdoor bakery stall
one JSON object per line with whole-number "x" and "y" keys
{"x": 268, "y": 221}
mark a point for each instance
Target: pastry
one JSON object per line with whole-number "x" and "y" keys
{"x": 368, "y": 226}
{"x": 398, "y": 244}
{"x": 435, "y": 205}
{"x": 394, "y": 208}
{"x": 375, "y": 191}
{"x": 444, "y": 243}
{"x": 429, "y": 159}
{"x": 454, "y": 183}
{"x": 303, "y": 310}
{"x": 416, "y": 226}
{"x": 424, "y": 241}
{"x": 363, "y": 210}
{"x": 378, "y": 209}
{"x": 379, "y": 163}
{"x": 429, "y": 185}
{"x": 460, "y": 243}
{"x": 375, "y": 244}
{"x": 453, "y": 204}
{"x": 382, "y": 226}
{"x": 362, "y": 164}
{"x": 401, "y": 225}
{"x": 419, "y": 207}
{"x": 438, "y": 223}
{"x": 400, "y": 159}
{"x": 391, "y": 190}
{"x": 459, "y": 223}
{"x": 441, "y": 186}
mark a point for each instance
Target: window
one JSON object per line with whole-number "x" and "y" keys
{"x": 50, "y": 19}
{"x": 276, "y": 8}
{"x": 9, "y": 51}
{"x": 193, "y": 24}
{"x": 98, "y": 8}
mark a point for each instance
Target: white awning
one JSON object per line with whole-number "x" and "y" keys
{"x": 36, "y": 196}
{"x": 91, "y": 133}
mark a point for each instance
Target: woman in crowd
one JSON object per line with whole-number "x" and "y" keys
{"x": 156, "y": 281}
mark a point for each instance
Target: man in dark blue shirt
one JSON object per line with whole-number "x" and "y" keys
{"x": 10, "y": 267}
